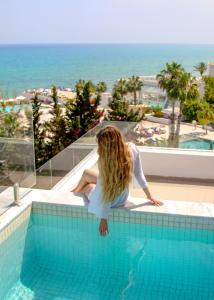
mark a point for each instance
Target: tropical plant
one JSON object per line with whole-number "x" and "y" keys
{"x": 134, "y": 85}
{"x": 205, "y": 115}
{"x": 55, "y": 128}
{"x": 120, "y": 88}
{"x": 28, "y": 128}
{"x": 120, "y": 112}
{"x": 73, "y": 130}
{"x": 201, "y": 68}
{"x": 191, "y": 108}
{"x": 209, "y": 89}
{"x": 168, "y": 80}
{"x": 157, "y": 111}
{"x": 83, "y": 113}
{"x": 36, "y": 106}
{"x": 39, "y": 133}
{"x": 10, "y": 126}
{"x": 101, "y": 87}
{"x": 80, "y": 85}
{"x": 80, "y": 114}
{"x": 188, "y": 90}
{"x": 180, "y": 86}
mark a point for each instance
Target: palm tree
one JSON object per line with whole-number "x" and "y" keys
{"x": 11, "y": 126}
{"x": 80, "y": 84}
{"x": 168, "y": 80}
{"x": 119, "y": 106}
{"x": 181, "y": 86}
{"x": 121, "y": 88}
{"x": 101, "y": 87}
{"x": 188, "y": 90}
{"x": 201, "y": 68}
{"x": 135, "y": 85}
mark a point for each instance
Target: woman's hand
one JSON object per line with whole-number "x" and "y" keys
{"x": 149, "y": 196}
{"x": 156, "y": 202}
{"x": 103, "y": 228}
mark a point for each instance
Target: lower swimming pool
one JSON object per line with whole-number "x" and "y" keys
{"x": 62, "y": 257}
{"x": 15, "y": 107}
{"x": 197, "y": 143}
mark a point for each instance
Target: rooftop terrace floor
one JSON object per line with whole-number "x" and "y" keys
{"x": 180, "y": 190}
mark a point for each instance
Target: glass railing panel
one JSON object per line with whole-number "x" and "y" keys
{"x": 44, "y": 177}
{"x": 64, "y": 162}
{"x": 17, "y": 162}
{"x": 145, "y": 133}
{"x": 127, "y": 129}
{"x": 60, "y": 165}
{"x": 68, "y": 159}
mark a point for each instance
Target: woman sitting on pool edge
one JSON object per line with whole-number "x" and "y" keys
{"x": 110, "y": 187}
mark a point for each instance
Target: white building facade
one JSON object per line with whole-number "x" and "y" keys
{"x": 210, "y": 69}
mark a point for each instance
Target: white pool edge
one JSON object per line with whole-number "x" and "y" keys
{"x": 69, "y": 200}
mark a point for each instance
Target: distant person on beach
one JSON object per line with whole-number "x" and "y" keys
{"x": 109, "y": 188}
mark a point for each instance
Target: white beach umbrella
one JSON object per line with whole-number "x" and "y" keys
{"x": 21, "y": 98}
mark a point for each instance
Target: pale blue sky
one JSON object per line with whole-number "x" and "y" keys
{"x": 107, "y": 21}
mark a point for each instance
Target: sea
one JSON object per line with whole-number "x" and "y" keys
{"x": 40, "y": 66}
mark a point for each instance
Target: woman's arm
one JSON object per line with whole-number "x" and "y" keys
{"x": 139, "y": 175}
{"x": 149, "y": 196}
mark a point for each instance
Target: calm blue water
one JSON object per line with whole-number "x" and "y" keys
{"x": 29, "y": 66}
{"x": 59, "y": 258}
{"x": 197, "y": 144}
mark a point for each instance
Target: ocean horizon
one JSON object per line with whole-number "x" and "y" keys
{"x": 25, "y": 66}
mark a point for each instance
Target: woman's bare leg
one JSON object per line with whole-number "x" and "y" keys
{"x": 88, "y": 176}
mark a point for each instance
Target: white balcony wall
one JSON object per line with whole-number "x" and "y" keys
{"x": 157, "y": 162}
{"x": 178, "y": 163}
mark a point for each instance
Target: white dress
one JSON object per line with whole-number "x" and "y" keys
{"x": 100, "y": 208}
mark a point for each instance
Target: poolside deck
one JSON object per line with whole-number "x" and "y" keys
{"x": 180, "y": 190}
{"x": 185, "y": 129}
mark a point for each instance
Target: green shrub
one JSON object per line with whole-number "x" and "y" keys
{"x": 157, "y": 112}
{"x": 191, "y": 108}
{"x": 209, "y": 89}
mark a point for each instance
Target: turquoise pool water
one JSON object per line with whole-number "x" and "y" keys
{"x": 64, "y": 258}
{"x": 154, "y": 103}
{"x": 197, "y": 144}
{"x": 15, "y": 107}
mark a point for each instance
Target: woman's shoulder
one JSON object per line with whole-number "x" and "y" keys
{"x": 132, "y": 147}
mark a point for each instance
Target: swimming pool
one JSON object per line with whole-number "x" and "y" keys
{"x": 57, "y": 254}
{"x": 14, "y": 107}
{"x": 154, "y": 103}
{"x": 197, "y": 144}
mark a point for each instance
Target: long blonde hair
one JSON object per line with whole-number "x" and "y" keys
{"x": 114, "y": 163}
